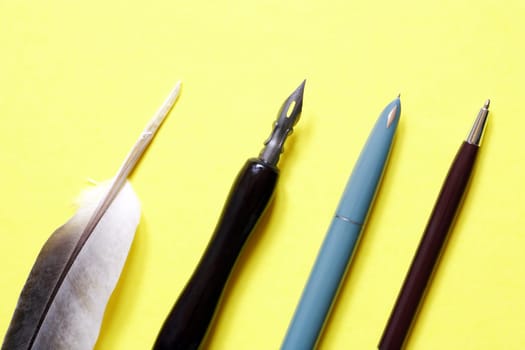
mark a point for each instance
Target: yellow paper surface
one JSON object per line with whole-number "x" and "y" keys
{"x": 79, "y": 80}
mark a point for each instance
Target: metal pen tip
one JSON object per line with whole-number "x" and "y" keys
{"x": 399, "y": 95}
{"x": 293, "y": 105}
{"x": 476, "y": 133}
{"x": 287, "y": 117}
{"x": 303, "y": 84}
{"x": 297, "y": 95}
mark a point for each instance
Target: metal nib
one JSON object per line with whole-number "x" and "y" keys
{"x": 476, "y": 133}
{"x": 287, "y": 117}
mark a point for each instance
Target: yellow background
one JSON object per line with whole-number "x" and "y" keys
{"x": 79, "y": 80}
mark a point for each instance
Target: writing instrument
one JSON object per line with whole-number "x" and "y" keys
{"x": 188, "y": 321}
{"x": 434, "y": 238}
{"x": 343, "y": 235}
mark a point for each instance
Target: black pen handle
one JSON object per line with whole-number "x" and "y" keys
{"x": 188, "y": 321}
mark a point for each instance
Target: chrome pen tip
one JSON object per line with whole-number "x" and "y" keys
{"x": 476, "y": 133}
{"x": 287, "y": 117}
{"x": 293, "y": 105}
{"x": 297, "y": 95}
{"x": 399, "y": 95}
{"x": 303, "y": 84}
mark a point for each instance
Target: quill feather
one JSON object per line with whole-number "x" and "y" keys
{"x": 53, "y": 275}
{"x": 74, "y": 318}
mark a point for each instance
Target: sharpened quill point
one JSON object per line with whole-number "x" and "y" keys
{"x": 163, "y": 111}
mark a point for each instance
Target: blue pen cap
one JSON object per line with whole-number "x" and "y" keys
{"x": 363, "y": 183}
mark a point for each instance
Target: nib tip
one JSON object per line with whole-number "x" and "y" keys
{"x": 487, "y": 103}
{"x": 301, "y": 86}
{"x": 299, "y": 92}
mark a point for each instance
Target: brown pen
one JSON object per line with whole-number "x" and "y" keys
{"x": 434, "y": 238}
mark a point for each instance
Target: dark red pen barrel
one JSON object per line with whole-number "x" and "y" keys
{"x": 188, "y": 321}
{"x": 429, "y": 250}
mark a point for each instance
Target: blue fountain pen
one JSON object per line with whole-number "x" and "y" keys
{"x": 343, "y": 234}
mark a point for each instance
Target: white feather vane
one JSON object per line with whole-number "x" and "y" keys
{"x": 63, "y": 301}
{"x": 74, "y": 318}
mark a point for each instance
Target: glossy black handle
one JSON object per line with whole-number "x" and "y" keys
{"x": 188, "y": 321}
